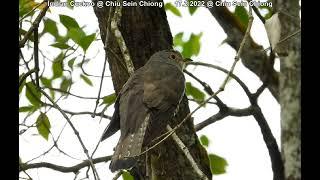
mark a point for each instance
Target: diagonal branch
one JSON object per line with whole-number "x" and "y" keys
{"x": 75, "y": 131}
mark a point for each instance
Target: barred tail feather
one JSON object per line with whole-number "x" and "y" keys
{"x": 128, "y": 148}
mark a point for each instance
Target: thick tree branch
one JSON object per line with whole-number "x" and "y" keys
{"x": 64, "y": 169}
{"x": 224, "y": 113}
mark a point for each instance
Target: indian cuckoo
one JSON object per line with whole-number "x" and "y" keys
{"x": 145, "y": 104}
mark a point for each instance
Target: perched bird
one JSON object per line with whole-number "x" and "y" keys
{"x": 144, "y": 106}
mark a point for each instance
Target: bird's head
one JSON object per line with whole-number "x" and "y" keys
{"x": 172, "y": 57}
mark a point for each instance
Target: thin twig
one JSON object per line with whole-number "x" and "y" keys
{"x": 64, "y": 169}
{"x": 78, "y": 113}
{"x": 101, "y": 82}
{"x": 187, "y": 154}
{"x": 69, "y": 93}
{"x": 25, "y": 76}
{"x": 36, "y": 53}
{"x": 206, "y": 87}
{"x": 75, "y": 131}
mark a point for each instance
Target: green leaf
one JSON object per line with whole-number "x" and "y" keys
{"x": 86, "y": 41}
{"x": 86, "y": 79}
{"x": 50, "y": 27}
{"x": 217, "y": 164}
{"x": 65, "y": 84}
{"x": 23, "y": 83}
{"x": 57, "y": 66}
{"x": 25, "y": 6}
{"x": 192, "y": 9}
{"x": 68, "y": 22}
{"x": 242, "y": 14}
{"x": 32, "y": 94}
{"x": 71, "y": 62}
{"x": 76, "y": 34}
{"x": 192, "y": 46}
{"x": 127, "y": 176}
{"x": 43, "y": 125}
{"x": 60, "y": 45}
{"x": 197, "y": 94}
{"x": 172, "y": 8}
{"x": 110, "y": 99}
{"x": 27, "y": 108}
{"x": 46, "y": 82}
{"x": 204, "y": 140}
{"x": 177, "y": 40}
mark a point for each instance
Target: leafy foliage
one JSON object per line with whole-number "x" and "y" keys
{"x": 127, "y": 176}
{"x": 217, "y": 164}
{"x": 191, "y": 47}
{"x": 86, "y": 79}
{"x": 26, "y": 108}
{"x": 242, "y": 14}
{"x": 60, "y": 45}
{"x": 68, "y": 22}
{"x": 50, "y": 26}
{"x": 170, "y": 7}
{"x": 204, "y": 140}
{"x": 110, "y": 99}
{"x": 57, "y": 66}
{"x": 71, "y": 62}
{"x": 25, "y": 6}
{"x": 196, "y": 93}
{"x": 43, "y": 125}
{"x": 192, "y": 8}
{"x": 32, "y": 94}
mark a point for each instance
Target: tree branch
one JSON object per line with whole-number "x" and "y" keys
{"x": 79, "y": 113}
{"x": 224, "y": 113}
{"x": 75, "y": 131}
{"x": 64, "y": 169}
{"x": 187, "y": 154}
{"x": 35, "y": 24}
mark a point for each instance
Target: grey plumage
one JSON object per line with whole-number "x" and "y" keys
{"x": 144, "y": 106}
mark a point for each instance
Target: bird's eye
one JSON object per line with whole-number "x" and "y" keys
{"x": 172, "y": 56}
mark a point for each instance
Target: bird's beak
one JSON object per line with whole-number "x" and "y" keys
{"x": 188, "y": 60}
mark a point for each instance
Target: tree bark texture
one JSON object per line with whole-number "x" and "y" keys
{"x": 146, "y": 31}
{"x": 290, "y": 88}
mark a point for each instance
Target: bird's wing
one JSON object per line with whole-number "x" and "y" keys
{"x": 163, "y": 89}
{"x": 114, "y": 124}
{"x": 133, "y": 119}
